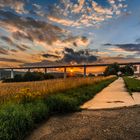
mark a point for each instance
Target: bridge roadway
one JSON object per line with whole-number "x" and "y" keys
{"x": 84, "y": 66}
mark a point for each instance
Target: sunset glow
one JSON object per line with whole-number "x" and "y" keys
{"x": 70, "y": 32}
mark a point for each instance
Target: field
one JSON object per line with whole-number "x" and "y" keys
{"x": 40, "y": 88}
{"x": 132, "y": 84}
{"x": 26, "y": 109}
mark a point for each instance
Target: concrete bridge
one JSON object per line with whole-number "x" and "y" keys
{"x": 84, "y": 66}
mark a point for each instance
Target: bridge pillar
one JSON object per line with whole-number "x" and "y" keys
{"x": 12, "y": 73}
{"x": 0, "y": 75}
{"x": 65, "y": 73}
{"x": 45, "y": 70}
{"x": 85, "y": 71}
{"x": 139, "y": 69}
{"x": 29, "y": 70}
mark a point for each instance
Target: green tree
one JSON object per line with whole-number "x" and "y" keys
{"x": 112, "y": 69}
{"x": 127, "y": 70}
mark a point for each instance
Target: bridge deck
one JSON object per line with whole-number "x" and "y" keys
{"x": 68, "y": 66}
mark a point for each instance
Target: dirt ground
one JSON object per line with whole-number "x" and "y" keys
{"x": 111, "y": 124}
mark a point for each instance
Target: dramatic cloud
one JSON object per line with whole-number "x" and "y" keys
{"x": 85, "y": 12}
{"x": 120, "y": 59}
{"x": 17, "y": 5}
{"x": 130, "y": 47}
{"x": 64, "y": 22}
{"x": 35, "y": 30}
{"x": 10, "y": 60}
{"x": 82, "y": 56}
{"x": 31, "y": 29}
{"x": 28, "y": 36}
{"x": 127, "y": 51}
{"x": 11, "y": 42}
{"x": 70, "y": 56}
{"x": 64, "y": 31}
{"x": 8, "y": 40}
{"x": 51, "y": 55}
{"x": 126, "y": 47}
{"x": 3, "y": 51}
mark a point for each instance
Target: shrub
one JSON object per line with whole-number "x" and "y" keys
{"x": 48, "y": 76}
{"x": 29, "y": 76}
{"x": 61, "y": 103}
{"x": 18, "y": 78}
{"x": 14, "y": 122}
{"x": 91, "y": 75}
{"x": 38, "y": 110}
{"x": 33, "y": 76}
{"x": 7, "y": 80}
{"x": 17, "y": 119}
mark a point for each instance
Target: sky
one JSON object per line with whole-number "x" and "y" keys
{"x": 51, "y": 32}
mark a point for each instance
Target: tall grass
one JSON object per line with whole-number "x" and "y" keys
{"x": 17, "y": 119}
{"x": 8, "y": 90}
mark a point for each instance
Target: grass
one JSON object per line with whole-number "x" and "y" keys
{"x": 19, "y": 117}
{"x": 9, "y": 90}
{"x": 132, "y": 84}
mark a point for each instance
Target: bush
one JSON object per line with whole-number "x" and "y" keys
{"x": 7, "y": 80}
{"x": 33, "y": 76}
{"x": 14, "y": 122}
{"x": 48, "y": 76}
{"x": 17, "y": 119}
{"x": 18, "y": 78}
{"x": 38, "y": 110}
{"x": 61, "y": 103}
{"x": 30, "y": 76}
{"x": 91, "y": 75}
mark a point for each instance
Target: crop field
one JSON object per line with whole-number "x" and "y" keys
{"x": 132, "y": 84}
{"x": 40, "y": 88}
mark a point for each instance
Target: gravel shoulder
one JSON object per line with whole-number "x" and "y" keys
{"x": 109, "y": 124}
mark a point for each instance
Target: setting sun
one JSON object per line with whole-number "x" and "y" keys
{"x": 71, "y": 70}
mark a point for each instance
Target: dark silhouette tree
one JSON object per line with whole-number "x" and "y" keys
{"x": 127, "y": 70}
{"x": 112, "y": 69}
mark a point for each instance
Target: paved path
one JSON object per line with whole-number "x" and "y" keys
{"x": 136, "y": 96}
{"x": 115, "y": 95}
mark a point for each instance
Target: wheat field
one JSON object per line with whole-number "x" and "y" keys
{"x": 8, "y": 90}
